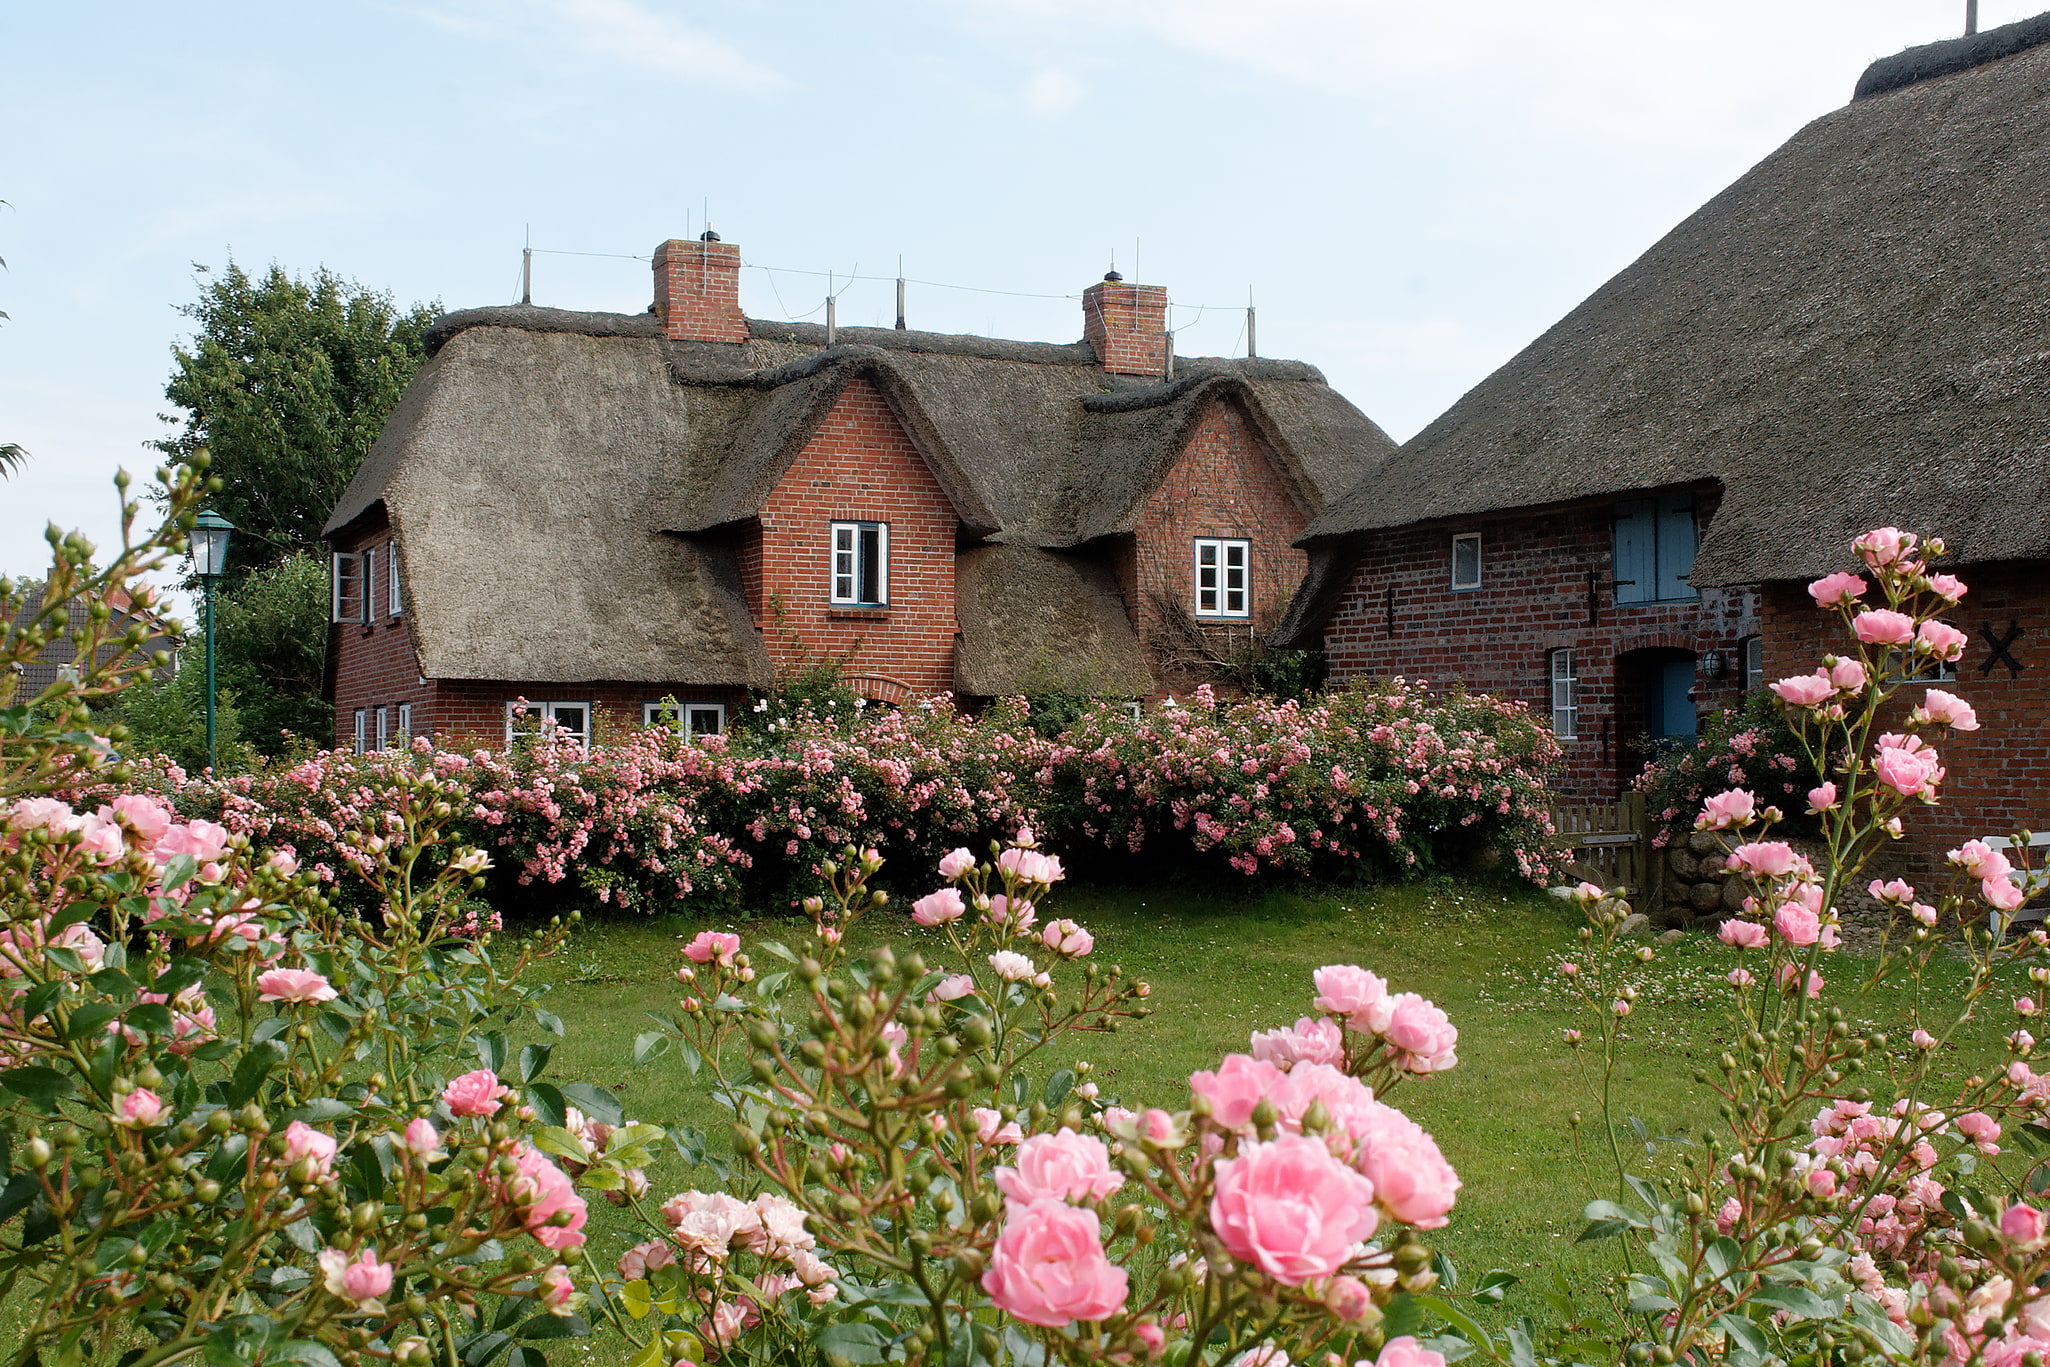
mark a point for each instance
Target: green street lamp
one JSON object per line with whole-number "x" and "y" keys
{"x": 209, "y": 561}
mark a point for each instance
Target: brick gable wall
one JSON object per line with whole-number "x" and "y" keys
{"x": 859, "y": 466}
{"x": 1224, "y": 484}
{"x": 1533, "y": 599}
{"x": 1998, "y": 776}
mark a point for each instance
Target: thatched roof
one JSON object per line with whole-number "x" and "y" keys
{"x": 1037, "y": 621}
{"x": 565, "y": 484}
{"x": 1855, "y": 333}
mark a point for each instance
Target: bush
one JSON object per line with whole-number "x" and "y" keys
{"x": 1750, "y": 746}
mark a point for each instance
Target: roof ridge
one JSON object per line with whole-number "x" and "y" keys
{"x": 1930, "y": 60}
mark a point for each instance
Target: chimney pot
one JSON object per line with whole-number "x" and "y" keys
{"x": 697, "y": 290}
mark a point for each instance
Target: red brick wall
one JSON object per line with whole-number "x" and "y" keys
{"x": 1998, "y": 776}
{"x": 1224, "y": 485}
{"x": 858, "y": 467}
{"x": 472, "y": 712}
{"x": 1533, "y": 599}
{"x": 1127, "y": 324}
{"x": 697, "y": 291}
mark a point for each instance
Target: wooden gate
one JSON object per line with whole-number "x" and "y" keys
{"x": 1607, "y": 844}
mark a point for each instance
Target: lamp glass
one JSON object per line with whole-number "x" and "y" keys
{"x": 209, "y": 543}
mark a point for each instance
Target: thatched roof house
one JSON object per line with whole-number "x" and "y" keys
{"x": 1855, "y": 333}
{"x": 644, "y": 500}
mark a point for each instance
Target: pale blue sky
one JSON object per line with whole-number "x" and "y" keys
{"x": 1412, "y": 190}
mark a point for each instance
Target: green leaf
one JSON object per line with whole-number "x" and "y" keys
{"x": 1602, "y": 1229}
{"x": 595, "y": 1102}
{"x": 177, "y": 976}
{"x": 1721, "y": 1255}
{"x": 857, "y": 1344}
{"x": 90, "y": 1020}
{"x": 37, "y": 1084}
{"x": 151, "y": 1018}
{"x": 303, "y": 1351}
{"x": 650, "y": 1045}
{"x": 179, "y": 872}
{"x": 1798, "y": 1300}
{"x": 1058, "y": 1086}
{"x": 550, "y": 1022}
{"x": 1609, "y": 1210}
{"x": 533, "y": 1059}
{"x": 1448, "y": 1272}
{"x": 319, "y": 1109}
{"x": 546, "y": 1326}
{"x": 1405, "y": 1315}
{"x": 547, "y": 1100}
{"x": 1743, "y": 1331}
{"x": 491, "y": 1051}
{"x": 251, "y": 1069}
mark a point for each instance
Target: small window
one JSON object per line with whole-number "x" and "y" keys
{"x": 686, "y": 719}
{"x": 391, "y": 579}
{"x": 1223, "y": 586}
{"x": 362, "y": 731}
{"x": 384, "y": 728}
{"x": 346, "y": 586}
{"x": 532, "y": 719}
{"x": 405, "y": 723}
{"x": 1466, "y": 560}
{"x": 1565, "y": 695}
{"x": 1654, "y": 549}
{"x": 1751, "y": 650}
{"x": 861, "y": 563}
{"x": 1137, "y": 709}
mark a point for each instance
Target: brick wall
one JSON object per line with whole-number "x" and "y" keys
{"x": 1998, "y": 776}
{"x": 1224, "y": 485}
{"x": 697, "y": 291}
{"x": 1127, "y": 324}
{"x": 858, "y": 467}
{"x": 472, "y": 712}
{"x": 1534, "y": 598}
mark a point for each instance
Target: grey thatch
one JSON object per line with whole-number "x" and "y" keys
{"x": 1851, "y": 335}
{"x": 566, "y": 485}
{"x": 1036, "y": 621}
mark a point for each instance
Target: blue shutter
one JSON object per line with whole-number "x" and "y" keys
{"x": 1675, "y": 545}
{"x": 1636, "y": 566}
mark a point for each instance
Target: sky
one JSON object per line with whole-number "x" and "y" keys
{"x": 1410, "y": 193}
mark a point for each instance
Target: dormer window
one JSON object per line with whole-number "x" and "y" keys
{"x": 1655, "y": 549}
{"x": 1222, "y": 586}
{"x": 861, "y": 563}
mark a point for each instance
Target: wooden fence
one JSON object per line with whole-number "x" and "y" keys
{"x": 1610, "y": 844}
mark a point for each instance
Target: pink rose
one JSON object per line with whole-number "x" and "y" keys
{"x": 990, "y": 1127}
{"x": 1841, "y": 587}
{"x": 138, "y": 1109}
{"x": 952, "y": 988}
{"x": 147, "y": 817}
{"x": 2022, "y": 1225}
{"x": 1948, "y": 587}
{"x": 1908, "y": 772}
{"x": 1742, "y": 934}
{"x": 1030, "y": 866}
{"x": 1351, "y": 991}
{"x": 361, "y": 1281}
{"x": 1764, "y": 859}
{"x": 1821, "y": 1183}
{"x": 1788, "y": 974}
{"x": 303, "y": 1141}
{"x": 1015, "y": 915}
{"x": 422, "y": 1140}
{"x": 33, "y": 812}
{"x": 294, "y": 985}
{"x": 1883, "y": 627}
{"x": 556, "y": 1289}
{"x": 1313, "y": 1040}
{"x": 1724, "y": 810}
{"x": 543, "y": 1191}
{"x": 1407, "y": 1352}
{"x": 1847, "y": 676}
{"x": 1822, "y": 799}
{"x": 2002, "y": 895}
{"x": 1796, "y": 924}
{"x": 1151, "y": 1336}
{"x": 710, "y": 945}
{"x": 637, "y": 1262}
{"x": 1240, "y": 1083}
{"x": 1011, "y": 966}
{"x": 1941, "y": 640}
{"x": 1981, "y": 1129}
{"x": 1067, "y": 939}
{"x": 1348, "y": 1298}
{"x": 1291, "y": 1209}
{"x": 954, "y": 863}
{"x": 939, "y": 908}
{"x": 1947, "y": 709}
{"x": 1882, "y": 546}
{"x": 101, "y": 838}
{"x": 1980, "y": 860}
{"x": 1805, "y": 690}
{"x": 1899, "y": 892}
{"x": 1412, "y": 1181}
{"x": 1048, "y": 1267}
{"x": 1422, "y": 1031}
{"x": 474, "y": 1093}
{"x": 1063, "y": 1166}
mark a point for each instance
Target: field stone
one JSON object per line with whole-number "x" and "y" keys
{"x": 1706, "y": 896}
{"x": 1733, "y": 893}
{"x": 1705, "y": 842}
{"x": 1672, "y": 937}
{"x": 1711, "y": 867}
{"x": 1636, "y": 923}
{"x": 1681, "y": 862}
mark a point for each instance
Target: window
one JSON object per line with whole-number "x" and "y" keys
{"x": 1565, "y": 695}
{"x": 405, "y": 723}
{"x": 533, "y": 718}
{"x": 362, "y": 731}
{"x": 391, "y": 576}
{"x": 861, "y": 563}
{"x": 1137, "y": 709}
{"x": 1655, "y": 549}
{"x": 351, "y": 598}
{"x": 384, "y": 728}
{"x": 1221, "y": 579}
{"x": 1751, "y": 652}
{"x": 1466, "y": 560}
{"x": 369, "y": 586}
{"x": 688, "y": 718}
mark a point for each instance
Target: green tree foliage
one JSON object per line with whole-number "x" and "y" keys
{"x": 271, "y": 637}
{"x": 287, "y": 384}
{"x": 169, "y": 718}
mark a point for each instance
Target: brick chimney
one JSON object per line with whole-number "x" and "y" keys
{"x": 1127, "y": 324}
{"x": 697, "y": 290}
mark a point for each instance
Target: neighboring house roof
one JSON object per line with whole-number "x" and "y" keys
{"x": 1855, "y": 333}
{"x": 62, "y": 653}
{"x": 564, "y": 484}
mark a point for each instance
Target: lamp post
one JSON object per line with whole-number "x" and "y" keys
{"x": 209, "y": 560}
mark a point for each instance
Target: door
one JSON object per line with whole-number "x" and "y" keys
{"x": 1671, "y": 712}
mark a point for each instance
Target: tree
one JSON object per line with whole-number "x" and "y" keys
{"x": 271, "y": 638}
{"x": 287, "y": 384}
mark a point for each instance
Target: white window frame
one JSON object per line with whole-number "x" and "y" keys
{"x": 843, "y": 564}
{"x": 683, "y": 717}
{"x": 362, "y": 730}
{"x": 1563, "y": 675}
{"x": 1751, "y": 660}
{"x": 1228, "y": 601}
{"x": 542, "y": 712}
{"x": 1459, "y": 541}
{"x": 1136, "y": 708}
{"x": 384, "y": 728}
{"x": 406, "y": 723}
{"x": 346, "y": 571}
{"x": 394, "y": 608}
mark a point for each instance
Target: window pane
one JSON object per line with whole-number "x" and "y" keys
{"x": 1754, "y": 664}
{"x": 707, "y": 721}
{"x": 1206, "y": 552}
{"x": 1466, "y": 562}
{"x": 871, "y": 564}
